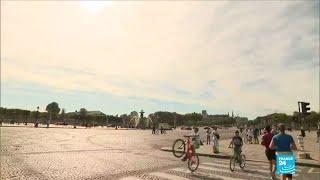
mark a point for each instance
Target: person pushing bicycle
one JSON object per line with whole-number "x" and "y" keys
{"x": 236, "y": 143}
{"x": 195, "y": 142}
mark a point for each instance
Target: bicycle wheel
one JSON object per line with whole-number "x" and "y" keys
{"x": 232, "y": 163}
{"x": 193, "y": 163}
{"x": 242, "y": 161}
{"x": 178, "y": 148}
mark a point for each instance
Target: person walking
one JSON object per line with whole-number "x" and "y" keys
{"x": 250, "y": 135}
{"x": 318, "y": 135}
{"x": 270, "y": 153}
{"x": 208, "y": 134}
{"x": 256, "y": 135}
{"x": 283, "y": 144}
{"x": 153, "y": 130}
{"x": 303, "y": 132}
{"x": 274, "y": 130}
{"x": 215, "y": 140}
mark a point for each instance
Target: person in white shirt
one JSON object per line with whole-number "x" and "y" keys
{"x": 215, "y": 140}
{"x": 208, "y": 134}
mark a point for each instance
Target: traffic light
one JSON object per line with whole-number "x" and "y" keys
{"x": 305, "y": 108}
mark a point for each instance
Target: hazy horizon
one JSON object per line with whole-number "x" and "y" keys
{"x": 253, "y": 58}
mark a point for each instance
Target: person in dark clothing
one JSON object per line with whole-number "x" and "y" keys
{"x": 255, "y": 136}
{"x": 270, "y": 153}
{"x": 153, "y": 130}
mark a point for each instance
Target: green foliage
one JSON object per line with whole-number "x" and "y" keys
{"x": 53, "y": 110}
{"x": 83, "y": 114}
{"x": 142, "y": 123}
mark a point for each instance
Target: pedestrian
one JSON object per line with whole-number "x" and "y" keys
{"x": 283, "y": 144}
{"x": 250, "y": 134}
{"x": 153, "y": 130}
{"x": 318, "y": 135}
{"x": 215, "y": 140}
{"x": 255, "y": 136}
{"x": 208, "y": 134}
{"x": 161, "y": 130}
{"x": 270, "y": 153}
{"x": 303, "y": 132}
{"x": 274, "y": 130}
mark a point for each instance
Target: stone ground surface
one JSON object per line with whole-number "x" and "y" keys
{"x": 100, "y": 153}
{"x": 256, "y": 151}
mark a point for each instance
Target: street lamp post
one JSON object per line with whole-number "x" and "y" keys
{"x": 117, "y": 122}
{"x": 75, "y": 119}
{"x": 37, "y": 116}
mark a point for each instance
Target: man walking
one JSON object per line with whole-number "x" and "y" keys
{"x": 270, "y": 153}
{"x": 153, "y": 130}
{"x": 208, "y": 134}
{"x": 318, "y": 135}
{"x": 283, "y": 143}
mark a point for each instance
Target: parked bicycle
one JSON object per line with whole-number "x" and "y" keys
{"x": 179, "y": 149}
{"x": 237, "y": 158}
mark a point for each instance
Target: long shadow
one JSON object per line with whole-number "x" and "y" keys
{"x": 69, "y": 151}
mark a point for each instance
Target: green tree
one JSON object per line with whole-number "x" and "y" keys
{"x": 62, "y": 116}
{"x": 83, "y": 114}
{"x": 193, "y": 118}
{"x": 134, "y": 117}
{"x": 142, "y": 122}
{"x": 53, "y": 110}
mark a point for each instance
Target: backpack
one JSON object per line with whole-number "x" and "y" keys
{"x": 217, "y": 135}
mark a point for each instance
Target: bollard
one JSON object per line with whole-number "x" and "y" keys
{"x": 302, "y": 154}
{"x": 300, "y": 142}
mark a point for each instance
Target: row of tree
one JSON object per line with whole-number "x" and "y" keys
{"x": 294, "y": 121}
{"x": 54, "y": 114}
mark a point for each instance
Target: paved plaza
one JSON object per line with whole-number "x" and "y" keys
{"x": 100, "y": 153}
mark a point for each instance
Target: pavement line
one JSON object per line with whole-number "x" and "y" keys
{"x": 249, "y": 168}
{"x": 258, "y": 169}
{"x": 248, "y": 165}
{"x": 253, "y": 162}
{"x": 229, "y": 171}
{"x": 264, "y": 166}
{"x": 168, "y": 176}
{"x": 206, "y": 175}
{"x": 313, "y": 172}
{"x": 130, "y": 178}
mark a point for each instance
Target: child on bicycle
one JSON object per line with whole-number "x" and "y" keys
{"x": 236, "y": 143}
{"x": 195, "y": 142}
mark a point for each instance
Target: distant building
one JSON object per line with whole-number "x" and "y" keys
{"x": 204, "y": 114}
{"x": 88, "y": 113}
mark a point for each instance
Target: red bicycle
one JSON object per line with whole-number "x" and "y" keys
{"x": 179, "y": 149}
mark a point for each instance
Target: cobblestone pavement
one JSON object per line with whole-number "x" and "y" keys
{"x": 218, "y": 169}
{"x": 96, "y": 153}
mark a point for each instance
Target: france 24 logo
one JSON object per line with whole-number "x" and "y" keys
{"x": 285, "y": 164}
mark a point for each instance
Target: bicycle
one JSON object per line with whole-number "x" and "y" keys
{"x": 235, "y": 159}
{"x": 179, "y": 149}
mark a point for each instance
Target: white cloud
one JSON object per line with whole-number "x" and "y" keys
{"x": 169, "y": 51}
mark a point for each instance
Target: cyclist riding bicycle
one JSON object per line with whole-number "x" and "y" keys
{"x": 195, "y": 142}
{"x": 236, "y": 143}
